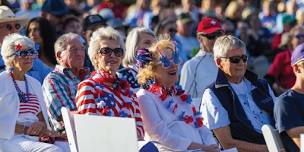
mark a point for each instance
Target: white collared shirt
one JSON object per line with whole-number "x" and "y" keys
{"x": 197, "y": 74}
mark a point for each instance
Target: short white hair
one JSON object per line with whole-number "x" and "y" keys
{"x": 225, "y": 43}
{"x": 8, "y": 48}
{"x": 132, "y": 44}
{"x": 63, "y": 41}
{"x": 102, "y": 33}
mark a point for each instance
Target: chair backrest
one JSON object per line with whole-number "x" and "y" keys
{"x": 272, "y": 138}
{"x": 112, "y": 134}
{"x": 69, "y": 125}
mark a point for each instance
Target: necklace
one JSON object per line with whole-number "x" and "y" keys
{"x": 24, "y": 97}
{"x": 190, "y": 117}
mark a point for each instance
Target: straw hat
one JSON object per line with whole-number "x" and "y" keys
{"x": 7, "y": 15}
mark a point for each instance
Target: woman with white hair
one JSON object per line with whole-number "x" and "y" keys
{"x": 103, "y": 93}
{"x": 168, "y": 114}
{"x": 23, "y": 115}
{"x": 138, "y": 38}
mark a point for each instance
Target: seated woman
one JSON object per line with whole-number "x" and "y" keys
{"x": 168, "y": 115}
{"x": 22, "y": 110}
{"x": 103, "y": 93}
{"x": 138, "y": 38}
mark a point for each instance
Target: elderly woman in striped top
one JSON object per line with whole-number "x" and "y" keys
{"x": 103, "y": 93}
{"x": 22, "y": 108}
{"x": 169, "y": 117}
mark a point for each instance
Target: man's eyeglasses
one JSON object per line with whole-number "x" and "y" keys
{"x": 9, "y": 27}
{"x": 237, "y": 59}
{"x": 214, "y": 35}
{"x": 108, "y": 51}
{"x": 299, "y": 36}
{"x": 27, "y": 53}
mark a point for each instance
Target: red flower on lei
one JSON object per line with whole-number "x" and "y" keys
{"x": 162, "y": 93}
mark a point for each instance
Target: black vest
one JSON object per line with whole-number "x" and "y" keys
{"x": 240, "y": 126}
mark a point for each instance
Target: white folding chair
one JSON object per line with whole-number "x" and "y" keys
{"x": 69, "y": 125}
{"x": 272, "y": 138}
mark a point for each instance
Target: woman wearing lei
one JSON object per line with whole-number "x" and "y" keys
{"x": 169, "y": 117}
{"x": 103, "y": 93}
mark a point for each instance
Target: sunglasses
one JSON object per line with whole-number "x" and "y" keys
{"x": 167, "y": 63}
{"x": 172, "y": 30}
{"x": 214, "y": 35}
{"x": 237, "y": 59}
{"x": 108, "y": 51}
{"x": 30, "y": 52}
{"x": 299, "y": 36}
{"x": 9, "y": 27}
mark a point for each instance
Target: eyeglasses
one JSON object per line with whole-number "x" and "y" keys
{"x": 172, "y": 30}
{"x": 167, "y": 63}
{"x": 237, "y": 59}
{"x": 108, "y": 51}
{"x": 11, "y": 26}
{"x": 299, "y": 36}
{"x": 214, "y": 35}
{"x": 27, "y": 53}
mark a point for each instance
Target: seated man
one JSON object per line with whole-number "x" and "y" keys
{"x": 237, "y": 104}
{"x": 288, "y": 110}
{"x": 60, "y": 86}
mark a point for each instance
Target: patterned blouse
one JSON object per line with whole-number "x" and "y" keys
{"x": 106, "y": 95}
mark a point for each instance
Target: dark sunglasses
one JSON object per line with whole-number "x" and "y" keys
{"x": 299, "y": 36}
{"x": 214, "y": 35}
{"x": 237, "y": 59}
{"x": 108, "y": 51}
{"x": 172, "y": 30}
{"x": 11, "y": 26}
{"x": 30, "y": 52}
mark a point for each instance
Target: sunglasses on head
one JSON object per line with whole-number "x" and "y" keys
{"x": 108, "y": 51}
{"x": 11, "y": 26}
{"x": 237, "y": 59}
{"x": 30, "y": 52}
{"x": 214, "y": 35}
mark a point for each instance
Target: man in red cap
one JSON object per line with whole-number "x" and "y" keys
{"x": 201, "y": 70}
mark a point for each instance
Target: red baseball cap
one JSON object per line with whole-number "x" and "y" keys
{"x": 208, "y": 25}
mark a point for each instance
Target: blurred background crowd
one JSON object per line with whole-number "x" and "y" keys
{"x": 264, "y": 25}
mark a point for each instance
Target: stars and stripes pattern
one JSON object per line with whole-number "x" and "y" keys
{"x": 32, "y": 106}
{"x": 94, "y": 97}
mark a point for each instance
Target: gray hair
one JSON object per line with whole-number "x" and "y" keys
{"x": 225, "y": 43}
{"x": 63, "y": 41}
{"x": 132, "y": 44}
{"x": 8, "y": 48}
{"x": 103, "y": 33}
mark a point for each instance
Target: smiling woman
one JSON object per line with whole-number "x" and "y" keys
{"x": 169, "y": 117}
{"x": 22, "y": 108}
{"x": 103, "y": 93}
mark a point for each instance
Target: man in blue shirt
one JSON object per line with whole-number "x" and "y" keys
{"x": 9, "y": 23}
{"x": 288, "y": 110}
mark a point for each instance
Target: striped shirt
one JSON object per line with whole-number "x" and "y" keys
{"x": 95, "y": 98}
{"x": 59, "y": 90}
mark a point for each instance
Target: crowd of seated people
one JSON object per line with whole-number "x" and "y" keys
{"x": 194, "y": 76}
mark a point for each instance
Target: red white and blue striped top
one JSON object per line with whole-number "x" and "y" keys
{"x": 104, "y": 95}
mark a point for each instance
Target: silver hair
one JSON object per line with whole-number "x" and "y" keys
{"x": 63, "y": 41}
{"x": 132, "y": 44}
{"x": 8, "y": 48}
{"x": 103, "y": 33}
{"x": 225, "y": 43}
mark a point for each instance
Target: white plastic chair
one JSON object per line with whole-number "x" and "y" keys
{"x": 69, "y": 125}
{"x": 272, "y": 138}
